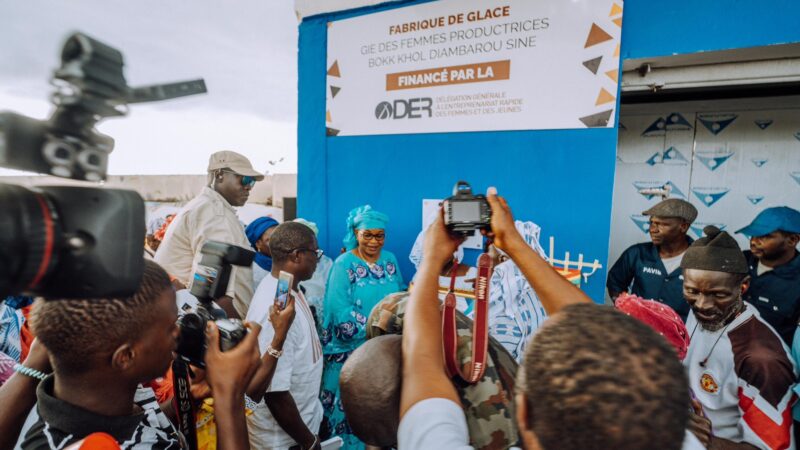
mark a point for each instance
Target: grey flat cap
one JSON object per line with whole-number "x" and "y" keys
{"x": 673, "y": 207}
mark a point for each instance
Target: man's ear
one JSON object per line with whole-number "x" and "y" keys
{"x": 124, "y": 357}
{"x": 684, "y": 227}
{"x": 522, "y": 410}
{"x": 745, "y": 284}
{"x": 529, "y": 439}
{"x": 793, "y": 239}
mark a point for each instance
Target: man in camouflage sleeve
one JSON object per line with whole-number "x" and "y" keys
{"x": 586, "y": 364}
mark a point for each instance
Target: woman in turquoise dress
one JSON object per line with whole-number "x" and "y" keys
{"x": 359, "y": 279}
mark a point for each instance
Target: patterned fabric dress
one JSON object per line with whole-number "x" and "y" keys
{"x": 353, "y": 290}
{"x": 514, "y": 308}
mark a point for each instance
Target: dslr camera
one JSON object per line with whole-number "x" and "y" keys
{"x": 465, "y": 212}
{"x": 74, "y": 241}
{"x": 210, "y": 282}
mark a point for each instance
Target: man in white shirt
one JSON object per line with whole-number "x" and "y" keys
{"x": 291, "y": 413}
{"x": 593, "y": 378}
{"x": 739, "y": 368}
{"x": 210, "y": 216}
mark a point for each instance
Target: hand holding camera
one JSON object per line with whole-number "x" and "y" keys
{"x": 503, "y": 232}
{"x": 229, "y": 372}
{"x": 210, "y": 281}
{"x": 440, "y": 243}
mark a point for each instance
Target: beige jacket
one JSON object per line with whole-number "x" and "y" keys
{"x": 207, "y": 217}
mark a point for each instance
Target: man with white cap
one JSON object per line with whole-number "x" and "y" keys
{"x": 210, "y": 216}
{"x": 775, "y": 268}
{"x": 652, "y": 269}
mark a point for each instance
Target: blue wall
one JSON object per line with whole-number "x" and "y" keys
{"x": 663, "y": 28}
{"x": 560, "y": 179}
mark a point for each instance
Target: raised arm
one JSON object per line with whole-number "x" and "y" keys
{"x": 424, "y": 374}
{"x": 554, "y": 291}
{"x": 281, "y": 321}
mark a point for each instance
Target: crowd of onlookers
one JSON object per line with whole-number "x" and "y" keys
{"x": 699, "y": 350}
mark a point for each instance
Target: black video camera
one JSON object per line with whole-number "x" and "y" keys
{"x": 210, "y": 282}
{"x": 74, "y": 242}
{"x": 465, "y": 212}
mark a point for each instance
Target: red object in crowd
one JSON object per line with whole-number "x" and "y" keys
{"x": 96, "y": 441}
{"x": 663, "y": 319}
{"x": 159, "y": 234}
{"x": 25, "y": 334}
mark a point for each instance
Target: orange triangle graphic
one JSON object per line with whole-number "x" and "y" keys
{"x": 334, "y": 70}
{"x": 604, "y": 97}
{"x": 618, "y": 21}
{"x": 616, "y": 9}
{"x": 327, "y": 117}
{"x": 612, "y": 74}
{"x": 616, "y": 52}
{"x": 596, "y": 36}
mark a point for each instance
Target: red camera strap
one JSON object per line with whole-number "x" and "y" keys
{"x": 480, "y": 326}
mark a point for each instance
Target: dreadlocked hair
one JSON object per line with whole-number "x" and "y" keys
{"x": 598, "y": 379}
{"x": 77, "y": 331}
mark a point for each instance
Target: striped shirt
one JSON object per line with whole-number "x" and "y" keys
{"x": 61, "y": 424}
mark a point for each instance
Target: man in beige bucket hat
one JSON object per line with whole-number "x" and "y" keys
{"x": 210, "y": 216}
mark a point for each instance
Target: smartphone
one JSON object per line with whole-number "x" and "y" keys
{"x": 285, "y": 280}
{"x": 333, "y": 443}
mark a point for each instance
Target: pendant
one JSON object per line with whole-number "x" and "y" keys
{"x": 708, "y": 383}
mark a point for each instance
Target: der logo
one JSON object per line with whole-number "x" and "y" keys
{"x": 414, "y": 108}
{"x": 383, "y": 110}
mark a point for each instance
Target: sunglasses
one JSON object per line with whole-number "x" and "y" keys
{"x": 246, "y": 180}
{"x": 318, "y": 252}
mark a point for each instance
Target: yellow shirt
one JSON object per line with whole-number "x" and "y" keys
{"x": 206, "y": 217}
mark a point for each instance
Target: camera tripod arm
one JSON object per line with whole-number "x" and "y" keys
{"x": 159, "y": 92}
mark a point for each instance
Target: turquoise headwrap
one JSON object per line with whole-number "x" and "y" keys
{"x": 362, "y": 218}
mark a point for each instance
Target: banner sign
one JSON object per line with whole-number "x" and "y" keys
{"x": 474, "y": 65}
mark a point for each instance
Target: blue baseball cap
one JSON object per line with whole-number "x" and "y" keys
{"x": 781, "y": 218}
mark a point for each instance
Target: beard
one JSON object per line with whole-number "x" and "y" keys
{"x": 727, "y": 318}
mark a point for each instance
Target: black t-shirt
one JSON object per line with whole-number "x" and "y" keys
{"x": 61, "y": 424}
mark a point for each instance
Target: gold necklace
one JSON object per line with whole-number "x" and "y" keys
{"x": 361, "y": 256}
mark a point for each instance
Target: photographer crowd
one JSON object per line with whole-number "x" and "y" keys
{"x": 698, "y": 348}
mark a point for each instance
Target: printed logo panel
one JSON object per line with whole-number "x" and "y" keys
{"x": 763, "y": 123}
{"x": 670, "y": 156}
{"x": 673, "y": 122}
{"x": 710, "y": 195}
{"x": 676, "y": 122}
{"x": 714, "y": 159}
{"x": 716, "y": 123}
{"x": 641, "y": 222}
